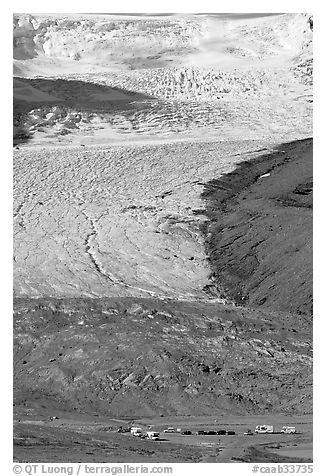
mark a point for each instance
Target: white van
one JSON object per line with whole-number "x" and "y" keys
{"x": 135, "y": 431}
{"x": 288, "y": 429}
{"x": 153, "y": 435}
{"x": 264, "y": 429}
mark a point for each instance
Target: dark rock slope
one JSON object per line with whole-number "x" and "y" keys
{"x": 259, "y": 236}
{"x": 134, "y": 357}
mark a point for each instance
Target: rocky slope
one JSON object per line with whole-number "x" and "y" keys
{"x": 259, "y": 236}
{"x": 135, "y": 357}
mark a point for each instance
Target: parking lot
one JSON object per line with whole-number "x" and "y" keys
{"x": 227, "y": 447}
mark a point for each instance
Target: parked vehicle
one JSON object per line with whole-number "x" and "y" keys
{"x": 221, "y": 432}
{"x": 211, "y": 432}
{"x": 201, "y": 432}
{"x": 288, "y": 429}
{"x": 231, "y": 432}
{"x": 135, "y": 431}
{"x": 169, "y": 430}
{"x": 264, "y": 429}
{"x": 153, "y": 435}
{"x": 186, "y": 432}
{"x": 248, "y": 432}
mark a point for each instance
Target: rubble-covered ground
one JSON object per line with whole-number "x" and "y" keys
{"x": 161, "y": 363}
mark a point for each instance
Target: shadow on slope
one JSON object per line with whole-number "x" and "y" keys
{"x": 58, "y": 94}
{"x": 259, "y": 234}
{"x": 72, "y": 91}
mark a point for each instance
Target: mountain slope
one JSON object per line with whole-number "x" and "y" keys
{"x": 137, "y": 357}
{"x": 259, "y": 238}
